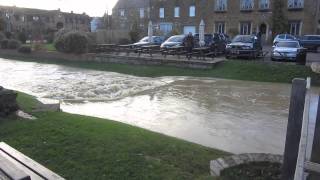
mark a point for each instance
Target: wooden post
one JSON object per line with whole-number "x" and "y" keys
{"x": 297, "y": 101}
{"x": 315, "y": 156}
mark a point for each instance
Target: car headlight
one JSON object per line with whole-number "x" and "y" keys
{"x": 228, "y": 46}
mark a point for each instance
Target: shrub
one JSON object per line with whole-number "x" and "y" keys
{"x": 22, "y": 37}
{"x": 76, "y": 42}
{"x": 13, "y": 44}
{"x": 8, "y": 35}
{"x": 2, "y": 36}
{"x": 4, "y": 43}
{"x": 124, "y": 41}
{"x": 25, "y": 49}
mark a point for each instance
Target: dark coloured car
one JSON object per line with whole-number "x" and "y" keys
{"x": 213, "y": 40}
{"x": 244, "y": 46}
{"x": 156, "y": 40}
{"x": 311, "y": 42}
{"x": 177, "y": 40}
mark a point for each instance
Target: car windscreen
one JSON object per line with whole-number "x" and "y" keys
{"x": 145, "y": 39}
{"x": 243, "y": 39}
{"x": 288, "y": 44}
{"x": 175, "y": 39}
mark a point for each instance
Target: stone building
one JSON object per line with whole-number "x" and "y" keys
{"x": 226, "y": 16}
{"x": 36, "y": 23}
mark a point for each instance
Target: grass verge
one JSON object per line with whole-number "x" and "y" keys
{"x": 80, "y": 147}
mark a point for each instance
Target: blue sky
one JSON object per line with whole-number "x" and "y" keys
{"x": 91, "y": 7}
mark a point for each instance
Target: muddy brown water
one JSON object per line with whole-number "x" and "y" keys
{"x": 235, "y": 116}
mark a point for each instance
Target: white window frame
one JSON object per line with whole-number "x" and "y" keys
{"x": 295, "y": 27}
{"x": 292, "y": 4}
{"x": 141, "y": 13}
{"x": 246, "y": 5}
{"x": 264, "y": 4}
{"x": 177, "y": 12}
{"x": 220, "y": 27}
{"x": 161, "y": 12}
{"x": 192, "y": 11}
{"x": 245, "y": 28}
{"x": 221, "y": 5}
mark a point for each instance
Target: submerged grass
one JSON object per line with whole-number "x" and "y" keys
{"x": 80, "y": 147}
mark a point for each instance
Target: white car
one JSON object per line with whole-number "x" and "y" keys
{"x": 287, "y": 50}
{"x": 283, "y": 37}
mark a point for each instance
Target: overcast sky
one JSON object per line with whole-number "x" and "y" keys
{"x": 91, "y": 7}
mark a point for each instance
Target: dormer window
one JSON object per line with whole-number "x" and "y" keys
{"x": 264, "y": 4}
{"x": 295, "y": 4}
{"x": 246, "y": 5}
{"x": 221, "y": 5}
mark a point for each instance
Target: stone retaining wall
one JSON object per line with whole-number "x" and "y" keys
{"x": 218, "y": 165}
{"x": 121, "y": 58}
{"x": 8, "y": 103}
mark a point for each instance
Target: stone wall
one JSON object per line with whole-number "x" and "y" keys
{"x": 8, "y": 103}
{"x": 116, "y": 58}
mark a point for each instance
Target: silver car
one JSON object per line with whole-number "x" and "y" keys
{"x": 287, "y": 50}
{"x": 283, "y": 37}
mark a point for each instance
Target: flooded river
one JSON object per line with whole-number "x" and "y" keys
{"x": 235, "y": 116}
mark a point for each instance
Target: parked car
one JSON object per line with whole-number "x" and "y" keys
{"x": 213, "y": 40}
{"x": 244, "y": 46}
{"x": 288, "y": 51}
{"x": 283, "y": 37}
{"x": 156, "y": 40}
{"x": 311, "y": 42}
{"x": 173, "y": 41}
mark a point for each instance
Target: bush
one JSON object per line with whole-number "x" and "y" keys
{"x": 76, "y": 42}
{"x": 72, "y": 42}
{"x": 4, "y": 44}
{"x": 124, "y": 41}
{"x": 2, "y": 36}
{"x": 22, "y": 37}
{"x": 13, "y": 44}
{"x": 8, "y": 35}
{"x": 24, "y": 49}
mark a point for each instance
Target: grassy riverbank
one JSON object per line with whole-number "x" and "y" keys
{"x": 80, "y": 147}
{"x": 232, "y": 69}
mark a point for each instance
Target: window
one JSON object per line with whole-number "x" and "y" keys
{"x": 166, "y": 28}
{"x": 245, "y": 28}
{"x": 220, "y": 27}
{"x": 192, "y": 11}
{"x": 221, "y": 5}
{"x": 295, "y": 27}
{"x": 189, "y": 29}
{"x": 141, "y": 12}
{"x": 246, "y": 5}
{"x": 295, "y": 4}
{"x": 177, "y": 12}
{"x": 161, "y": 12}
{"x": 122, "y": 12}
{"x": 23, "y": 18}
{"x": 264, "y": 4}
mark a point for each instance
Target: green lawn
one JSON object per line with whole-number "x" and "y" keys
{"x": 232, "y": 69}
{"x": 80, "y": 147}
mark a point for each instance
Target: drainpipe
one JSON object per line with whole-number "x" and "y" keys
{"x": 317, "y": 16}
